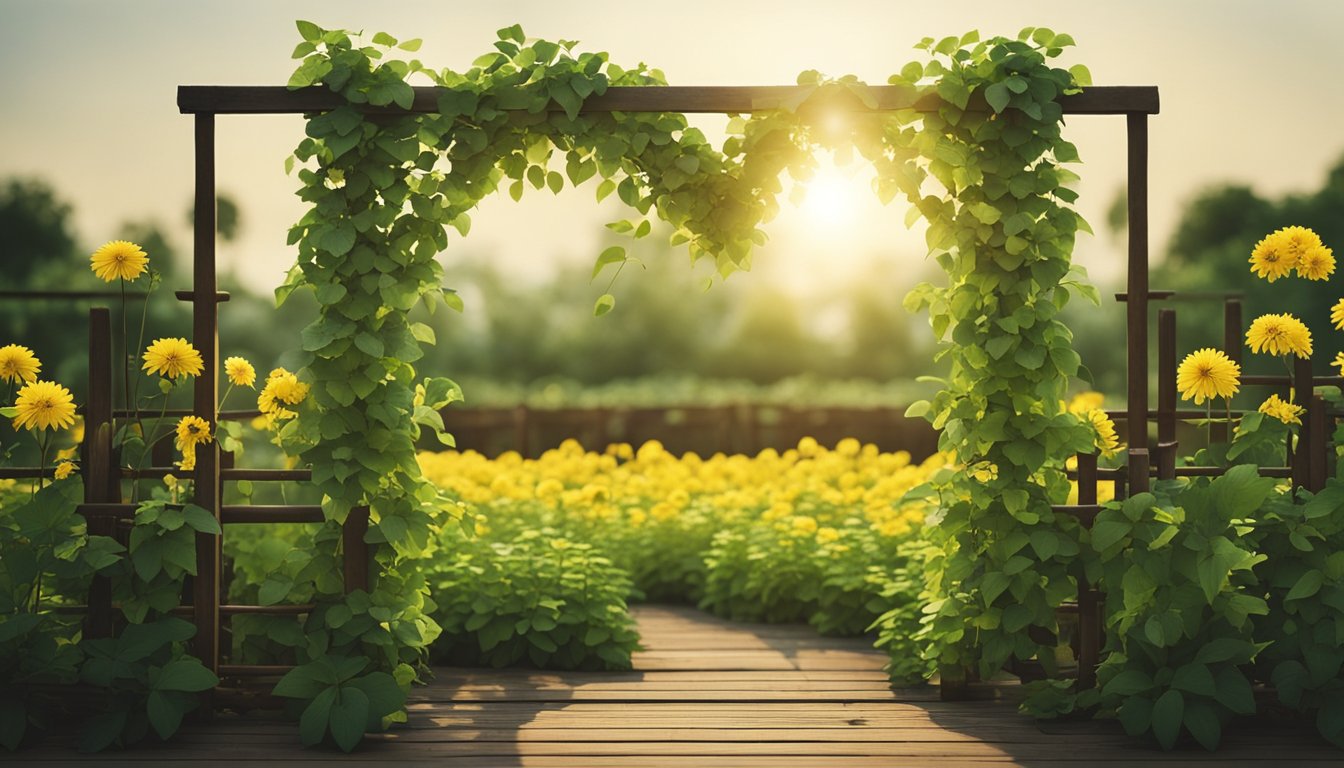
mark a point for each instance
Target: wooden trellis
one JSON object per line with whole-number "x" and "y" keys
{"x": 1145, "y": 458}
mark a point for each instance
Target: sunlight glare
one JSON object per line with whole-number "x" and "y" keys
{"x": 832, "y": 197}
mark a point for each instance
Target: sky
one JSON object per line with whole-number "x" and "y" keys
{"x": 89, "y": 105}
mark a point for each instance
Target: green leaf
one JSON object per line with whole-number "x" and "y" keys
{"x": 613, "y": 255}
{"x": 165, "y": 714}
{"x": 1202, "y": 723}
{"x": 604, "y": 304}
{"x": 1107, "y": 533}
{"x": 309, "y": 31}
{"x": 1307, "y": 585}
{"x": 998, "y": 95}
{"x": 1168, "y": 714}
{"x": 101, "y": 730}
{"x": 187, "y": 675}
{"x": 349, "y": 716}
{"x": 313, "y": 721}
{"x": 13, "y": 722}
{"x": 1194, "y": 678}
{"x": 198, "y": 519}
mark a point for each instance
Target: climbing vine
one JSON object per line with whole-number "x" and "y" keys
{"x": 383, "y": 184}
{"x": 1003, "y": 230}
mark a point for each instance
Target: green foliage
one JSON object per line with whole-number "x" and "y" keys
{"x": 1303, "y": 575}
{"x": 1180, "y": 604}
{"x": 537, "y": 599}
{"x": 338, "y": 698}
{"x": 147, "y": 680}
{"x": 1003, "y": 230}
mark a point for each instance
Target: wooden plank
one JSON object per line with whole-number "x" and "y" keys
{"x": 728, "y": 99}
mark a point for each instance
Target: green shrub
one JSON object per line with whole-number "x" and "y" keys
{"x": 537, "y": 599}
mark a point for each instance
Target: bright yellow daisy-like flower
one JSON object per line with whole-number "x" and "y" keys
{"x": 1206, "y": 374}
{"x": 1085, "y": 402}
{"x": 1272, "y": 258}
{"x": 191, "y": 432}
{"x": 1279, "y": 335}
{"x": 1337, "y": 315}
{"x": 19, "y": 365}
{"x": 1108, "y": 442}
{"x": 118, "y": 260}
{"x": 64, "y": 470}
{"x": 1297, "y": 241}
{"x": 44, "y": 405}
{"x": 240, "y": 372}
{"x": 173, "y": 358}
{"x": 1339, "y": 362}
{"x": 1284, "y": 411}
{"x": 282, "y": 388}
{"x": 1316, "y": 264}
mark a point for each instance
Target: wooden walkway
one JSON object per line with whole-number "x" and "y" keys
{"x": 706, "y": 692}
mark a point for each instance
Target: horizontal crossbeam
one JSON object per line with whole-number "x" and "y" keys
{"x": 723, "y": 99}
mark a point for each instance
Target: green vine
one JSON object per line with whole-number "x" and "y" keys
{"x": 1003, "y": 230}
{"x": 383, "y": 185}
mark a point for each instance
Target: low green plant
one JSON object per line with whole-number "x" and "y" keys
{"x": 144, "y": 678}
{"x": 1179, "y": 610}
{"x": 537, "y": 599}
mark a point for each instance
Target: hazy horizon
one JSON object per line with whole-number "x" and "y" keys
{"x": 91, "y": 108}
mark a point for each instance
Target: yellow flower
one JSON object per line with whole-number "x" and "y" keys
{"x": 1296, "y": 241}
{"x": 191, "y": 432}
{"x": 281, "y": 387}
{"x": 1337, "y": 314}
{"x": 1207, "y": 373}
{"x": 173, "y": 358}
{"x": 1107, "y": 441}
{"x": 118, "y": 260}
{"x": 804, "y": 526}
{"x": 64, "y": 470}
{"x": 19, "y": 364}
{"x": 240, "y": 372}
{"x": 44, "y": 405}
{"x": 1272, "y": 259}
{"x": 1279, "y": 335}
{"x": 1086, "y": 402}
{"x": 827, "y": 535}
{"x": 1339, "y": 362}
{"x": 1283, "y": 411}
{"x": 1316, "y": 264}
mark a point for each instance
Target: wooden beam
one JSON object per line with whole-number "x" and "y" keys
{"x": 723, "y": 99}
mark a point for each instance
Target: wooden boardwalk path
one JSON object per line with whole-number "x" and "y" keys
{"x": 706, "y": 692}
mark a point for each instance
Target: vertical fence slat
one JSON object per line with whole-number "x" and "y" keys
{"x": 101, "y": 482}
{"x": 1089, "y": 601}
{"x": 1302, "y": 395}
{"x": 205, "y": 336}
{"x": 1232, "y": 329}
{"x": 1320, "y": 441}
{"x": 1166, "y": 393}
{"x": 1136, "y": 302}
{"x": 355, "y": 560}
{"x": 1139, "y": 465}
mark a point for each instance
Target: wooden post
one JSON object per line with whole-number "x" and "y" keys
{"x": 1138, "y": 470}
{"x": 205, "y": 336}
{"x": 1303, "y": 395}
{"x": 1136, "y": 304}
{"x": 355, "y": 562}
{"x": 102, "y": 482}
{"x": 1232, "y": 329}
{"x": 1166, "y": 393}
{"x": 1320, "y": 442}
{"x": 1089, "y": 601}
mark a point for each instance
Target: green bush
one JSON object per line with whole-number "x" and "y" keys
{"x": 537, "y": 599}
